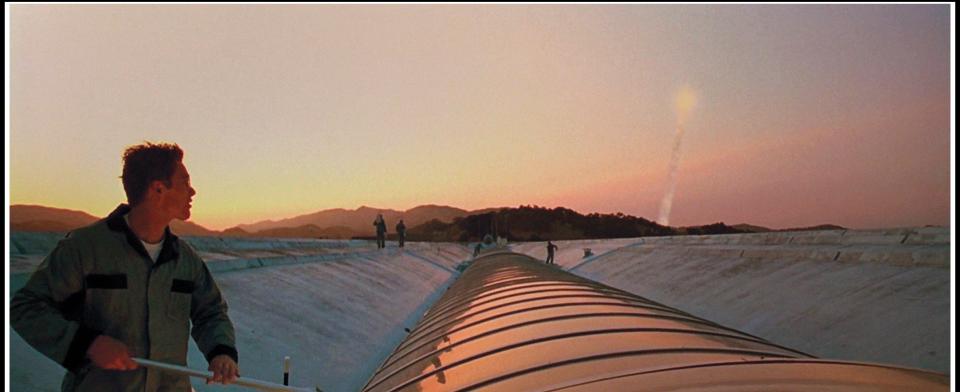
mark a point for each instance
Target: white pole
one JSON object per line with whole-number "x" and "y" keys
{"x": 242, "y": 381}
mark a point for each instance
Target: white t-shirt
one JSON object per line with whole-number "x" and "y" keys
{"x": 152, "y": 249}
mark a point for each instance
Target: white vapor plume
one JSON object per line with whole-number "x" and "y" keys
{"x": 684, "y": 102}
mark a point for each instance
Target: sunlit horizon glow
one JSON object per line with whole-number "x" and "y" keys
{"x": 802, "y": 114}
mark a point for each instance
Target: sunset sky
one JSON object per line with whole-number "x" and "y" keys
{"x": 803, "y": 114}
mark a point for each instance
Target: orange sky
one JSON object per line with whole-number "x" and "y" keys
{"x": 805, "y": 114}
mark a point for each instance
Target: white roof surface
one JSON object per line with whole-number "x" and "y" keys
{"x": 338, "y": 308}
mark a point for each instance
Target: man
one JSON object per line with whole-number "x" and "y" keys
{"x": 401, "y": 232}
{"x": 126, "y": 286}
{"x": 381, "y": 231}
{"x": 550, "y": 249}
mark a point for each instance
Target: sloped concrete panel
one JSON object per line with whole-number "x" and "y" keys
{"x": 336, "y": 308}
{"x": 863, "y": 295}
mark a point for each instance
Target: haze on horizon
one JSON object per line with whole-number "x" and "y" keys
{"x": 805, "y": 114}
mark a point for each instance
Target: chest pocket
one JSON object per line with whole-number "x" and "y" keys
{"x": 105, "y": 299}
{"x": 100, "y": 281}
{"x": 181, "y": 294}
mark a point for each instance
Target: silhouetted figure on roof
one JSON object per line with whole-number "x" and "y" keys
{"x": 401, "y": 232}
{"x": 550, "y": 249}
{"x": 381, "y": 231}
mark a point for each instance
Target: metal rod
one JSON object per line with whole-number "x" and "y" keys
{"x": 242, "y": 381}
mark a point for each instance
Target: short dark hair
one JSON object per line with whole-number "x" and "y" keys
{"x": 146, "y": 163}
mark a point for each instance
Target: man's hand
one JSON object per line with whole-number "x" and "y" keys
{"x": 225, "y": 370}
{"x": 110, "y": 353}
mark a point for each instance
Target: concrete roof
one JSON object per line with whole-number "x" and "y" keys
{"x": 513, "y": 323}
{"x": 338, "y": 308}
{"x": 865, "y": 295}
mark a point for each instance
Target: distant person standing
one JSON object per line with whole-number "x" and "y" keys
{"x": 550, "y": 249}
{"x": 476, "y": 250}
{"x": 401, "y": 232}
{"x": 381, "y": 231}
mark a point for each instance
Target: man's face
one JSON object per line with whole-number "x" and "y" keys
{"x": 177, "y": 198}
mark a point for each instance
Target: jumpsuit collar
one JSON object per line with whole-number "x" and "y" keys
{"x": 171, "y": 245}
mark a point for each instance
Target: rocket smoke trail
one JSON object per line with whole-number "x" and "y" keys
{"x": 667, "y": 201}
{"x": 684, "y": 102}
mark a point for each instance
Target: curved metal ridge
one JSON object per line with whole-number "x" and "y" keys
{"x": 416, "y": 335}
{"x": 510, "y": 322}
{"x": 390, "y": 362}
{"x": 538, "y": 277}
{"x": 575, "y": 278}
{"x": 464, "y": 312}
{"x": 683, "y": 318}
{"x": 615, "y": 355}
{"x": 789, "y": 361}
{"x": 403, "y": 347}
{"x": 570, "y": 336}
{"x": 430, "y": 320}
{"x": 461, "y": 300}
{"x": 564, "y": 336}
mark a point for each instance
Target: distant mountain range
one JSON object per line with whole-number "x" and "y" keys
{"x": 41, "y": 218}
{"x": 334, "y": 223}
{"x": 360, "y": 221}
{"x": 426, "y": 222}
{"x": 746, "y": 228}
